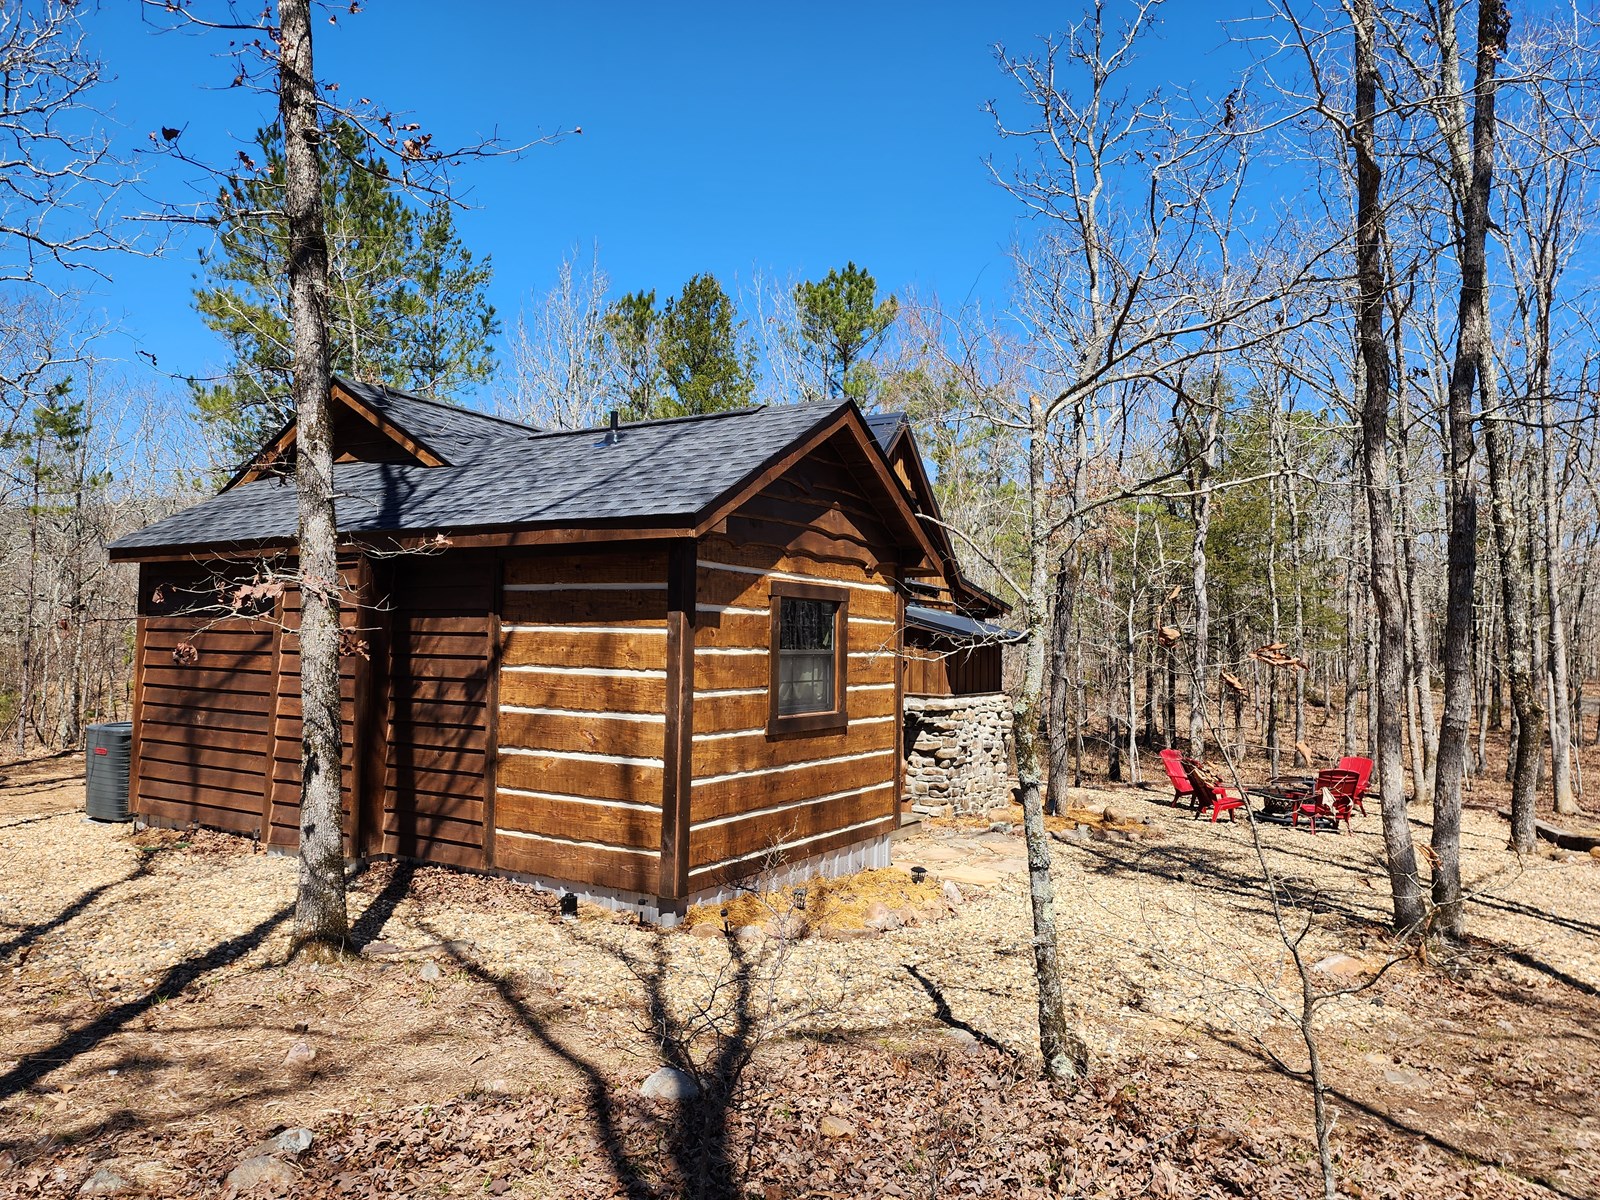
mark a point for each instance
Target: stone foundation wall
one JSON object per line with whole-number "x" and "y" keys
{"x": 957, "y": 751}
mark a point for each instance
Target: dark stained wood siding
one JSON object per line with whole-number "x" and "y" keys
{"x": 757, "y": 797}
{"x": 933, "y": 669}
{"x": 203, "y": 734}
{"x": 582, "y": 727}
{"x": 282, "y": 823}
{"x": 438, "y": 738}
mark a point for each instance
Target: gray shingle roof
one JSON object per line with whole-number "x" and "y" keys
{"x": 451, "y": 431}
{"x": 659, "y": 472}
{"x": 885, "y": 425}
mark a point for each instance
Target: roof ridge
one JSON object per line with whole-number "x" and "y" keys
{"x": 685, "y": 419}
{"x": 444, "y": 404}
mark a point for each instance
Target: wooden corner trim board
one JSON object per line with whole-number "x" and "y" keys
{"x": 837, "y": 718}
{"x": 677, "y": 775}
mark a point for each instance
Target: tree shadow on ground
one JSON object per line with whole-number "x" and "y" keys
{"x": 32, "y": 933}
{"x": 1382, "y": 1116}
{"x": 34, "y": 1066}
{"x": 943, "y": 1014}
{"x": 1198, "y": 869}
{"x": 626, "y": 1166}
{"x": 1516, "y": 908}
{"x": 376, "y": 915}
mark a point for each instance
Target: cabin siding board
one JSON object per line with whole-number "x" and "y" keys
{"x": 582, "y": 695}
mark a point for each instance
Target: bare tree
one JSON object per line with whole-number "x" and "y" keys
{"x": 54, "y": 155}
{"x": 562, "y": 360}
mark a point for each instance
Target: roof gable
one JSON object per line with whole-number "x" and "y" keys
{"x": 379, "y": 424}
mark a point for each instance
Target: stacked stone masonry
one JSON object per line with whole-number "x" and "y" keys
{"x": 957, "y": 752}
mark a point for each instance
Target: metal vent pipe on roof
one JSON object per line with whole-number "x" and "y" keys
{"x": 614, "y": 433}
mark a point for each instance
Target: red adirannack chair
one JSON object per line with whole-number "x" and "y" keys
{"x": 1332, "y": 798}
{"x": 1210, "y": 792}
{"x": 1363, "y": 769}
{"x": 1182, "y": 789}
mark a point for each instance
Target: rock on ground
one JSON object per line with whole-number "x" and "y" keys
{"x": 669, "y": 1083}
{"x": 261, "y": 1171}
{"x": 104, "y": 1182}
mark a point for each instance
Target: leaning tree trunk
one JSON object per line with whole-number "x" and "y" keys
{"x": 1385, "y": 576}
{"x": 321, "y": 917}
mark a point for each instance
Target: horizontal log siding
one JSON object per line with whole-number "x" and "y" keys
{"x": 582, "y": 734}
{"x": 282, "y": 825}
{"x": 204, "y": 735}
{"x": 756, "y": 796}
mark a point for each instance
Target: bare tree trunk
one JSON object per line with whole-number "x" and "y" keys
{"x": 1202, "y": 603}
{"x": 321, "y": 916}
{"x": 1471, "y": 351}
{"x": 1516, "y": 596}
{"x": 1560, "y": 685}
{"x": 1273, "y": 748}
{"x": 1057, "y": 724}
{"x": 1065, "y": 1055}
{"x": 1423, "y": 724}
{"x": 1352, "y": 643}
{"x": 1385, "y": 582}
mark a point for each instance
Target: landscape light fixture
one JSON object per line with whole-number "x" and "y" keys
{"x": 569, "y": 904}
{"x": 918, "y": 874}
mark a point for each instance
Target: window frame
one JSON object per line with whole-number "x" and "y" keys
{"x": 830, "y": 720}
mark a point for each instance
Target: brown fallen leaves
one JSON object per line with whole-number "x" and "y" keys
{"x": 941, "y": 1121}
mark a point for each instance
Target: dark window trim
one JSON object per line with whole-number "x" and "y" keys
{"x": 836, "y": 719}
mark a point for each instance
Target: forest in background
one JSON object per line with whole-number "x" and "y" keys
{"x": 1154, "y": 451}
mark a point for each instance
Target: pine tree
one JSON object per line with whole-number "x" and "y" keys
{"x": 707, "y": 364}
{"x": 407, "y": 302}
{"x": 840, "y": 320}
{"x": 633, "y": 329}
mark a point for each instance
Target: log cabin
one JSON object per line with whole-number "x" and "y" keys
{"x": 640, "y": 663}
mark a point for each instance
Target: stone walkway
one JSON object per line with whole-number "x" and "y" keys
{"x": 965, "y": 857}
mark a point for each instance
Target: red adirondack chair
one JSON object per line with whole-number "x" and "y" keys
{"x": 1363, "y": 769}
{"x": 1210, "y": 793}
{"x": 1182, "y": 789}
{"x": 1332, "y": 798}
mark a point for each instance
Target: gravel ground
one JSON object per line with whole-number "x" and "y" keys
{"x": 144, "y": 983}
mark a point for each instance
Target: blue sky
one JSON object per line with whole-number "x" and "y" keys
{"x": 716, "y": 136}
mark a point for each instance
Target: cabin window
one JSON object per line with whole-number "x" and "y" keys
{"x": 808, "y": 657}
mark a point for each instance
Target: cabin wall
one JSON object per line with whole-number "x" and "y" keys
{"x": 281, "y": 826}
{"x": 581, "y": 712}
{"x": 758, "y": 799}
{"x": 217, "y": 723}
{"x": 203, "y": 733}
{"x": 935, "y": 670}
{"x": 436, "y": 699}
